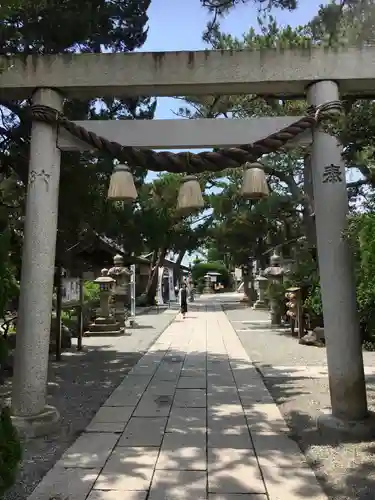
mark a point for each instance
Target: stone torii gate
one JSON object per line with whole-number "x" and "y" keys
{"x": 321, "y": 75}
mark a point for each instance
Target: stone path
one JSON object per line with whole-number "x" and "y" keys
{"x": 192, "y": 420}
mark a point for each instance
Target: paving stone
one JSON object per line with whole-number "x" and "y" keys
{"x": 159, "y": 387}
{"x": 249, "y": 397}
{"x": 187, "y": 419}
{"x": 149, "y": 407}
{"x": 190, "y": 398}
{"x": 65, "y": 483}
{"x": 112, "y": 414}
{"x": 227, "y": 439}
{"x": 140, "y": 431}
{"x": 217, "y": 397}
{"x": 128, "y": 469}
{"x": 178, "y": 485}
{"x": 225, "y": 411}
{"x": 144, "y": 369}
{"x": 113, "y": 427}
{"x": 279, "y": 450}
{"x": 265, "y": 418}
{"x": 219, "y": 380}
{"x": 234, "y": 471}
{"x": 193, "y": 372}
{"x": 292, "y": 484}
{"x": 236, "y": 496}
{"x": 183, "y": 452}
{"x": 117, "y": 495}
{"x": 91, "y": 450}
{"x": 135, "y": 382}
{"x": 192, "y": 382}
{"x": 234, "y": 423}
{"x": 168, "y": 372}
{"x": 123, "y": 397}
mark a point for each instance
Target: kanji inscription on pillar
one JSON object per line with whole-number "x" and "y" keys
{"x": 332, "y": 174}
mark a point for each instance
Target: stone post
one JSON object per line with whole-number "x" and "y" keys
{"x": 30, "y": 413}
{"x": 341, "y": 325}
{"x": 275, "y": 274}
{"x": 105, "y": 283}
{"x": 121, "y": 290}
{"x": 207, "y": 284}
{"x": 261, "y": 287}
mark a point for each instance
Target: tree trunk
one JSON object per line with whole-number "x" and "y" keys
{"x": 153, "y": 278}
{"x": 177, "y": 273}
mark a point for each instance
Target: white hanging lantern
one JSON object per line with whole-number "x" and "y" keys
{"x": 190, "y": 197}
{"x": 254, "y": 183}
{"x": 121, "y": 185}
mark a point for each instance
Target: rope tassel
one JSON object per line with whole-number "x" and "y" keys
{"x": 121, "y": 185}
{"x": 254, "y": 183}
{"x": 190, "y": 197}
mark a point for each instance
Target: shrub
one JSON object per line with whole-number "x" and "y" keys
{"x": 200, "y": 269}
{"x": 10, "y": 451}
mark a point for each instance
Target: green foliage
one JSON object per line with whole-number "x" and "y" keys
{"x": 361, "y": 232}
{"x": 10, "y": 451}
{"x": 198, "y": 271}
{"x": 39, "y": 27}
{"x": 91, "y": 291}
{"x": 9, "y": 286}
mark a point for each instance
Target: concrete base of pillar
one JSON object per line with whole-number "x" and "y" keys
{"x": 39, "y": 425}
{"x": 352, "y": 430}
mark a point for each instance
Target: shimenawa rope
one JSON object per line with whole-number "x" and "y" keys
{"x": 186, "y": 162}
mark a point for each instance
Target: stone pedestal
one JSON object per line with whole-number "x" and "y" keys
{"x": 104, "y": 326}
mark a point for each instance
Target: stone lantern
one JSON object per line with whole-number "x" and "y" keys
{"x": 105, "y": 283}
{"x": 104, "y": 324}
{"x": 121, "y": 275}
{"x": 261, "y": 284}
{"x": 275, "y": 274}
{"x": 207, "y": 284}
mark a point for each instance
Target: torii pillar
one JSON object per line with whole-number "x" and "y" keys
{"x": 349, "y": 413}
{"x": 31, "y": 415}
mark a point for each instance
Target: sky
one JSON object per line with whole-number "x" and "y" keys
{"x": 178, "y": 25}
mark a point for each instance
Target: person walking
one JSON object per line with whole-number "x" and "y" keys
{"x": 183, "y": 300}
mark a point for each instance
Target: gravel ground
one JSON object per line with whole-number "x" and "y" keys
{"x": 78, "y": 386}
{"x": 346, "y": 469}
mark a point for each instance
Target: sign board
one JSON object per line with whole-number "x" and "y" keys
{"x": 70, "y": 290}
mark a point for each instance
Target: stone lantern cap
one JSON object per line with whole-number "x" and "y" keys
{"x": 118, "y": 260}
{"x": 119, "y": 269}
{"x": 275, "y": 260}
{"x": 260, "y": 277}
{"x": 104, "y": 278}
{"x": 274, "y": 271}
